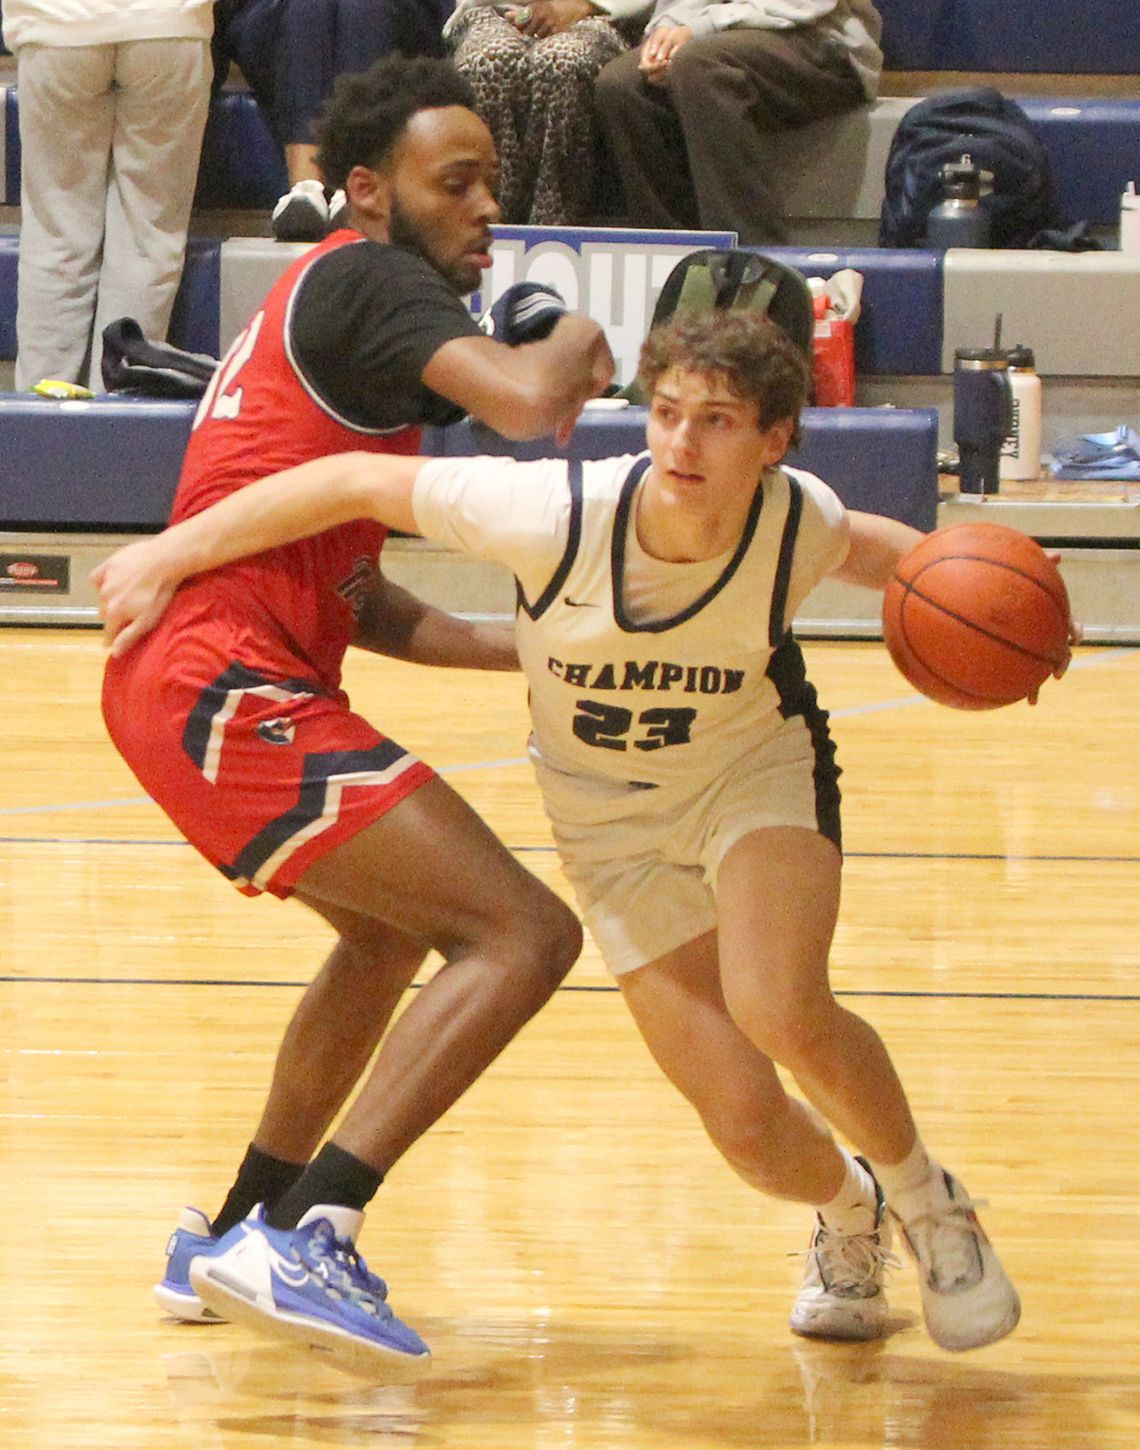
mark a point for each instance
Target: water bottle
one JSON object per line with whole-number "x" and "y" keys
{"x": 982, "y": 415}
{"x": 1021, "y": 450}
{"x": 1130, "y": 221}
{"x": 960, "y": 219}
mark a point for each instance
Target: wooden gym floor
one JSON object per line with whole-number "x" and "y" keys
{"x": 589, "y": 1274}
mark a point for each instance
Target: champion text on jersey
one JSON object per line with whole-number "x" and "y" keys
{"x": 649, "y": 675}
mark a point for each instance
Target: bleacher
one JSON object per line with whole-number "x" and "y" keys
{"x": 1076, "y": 75}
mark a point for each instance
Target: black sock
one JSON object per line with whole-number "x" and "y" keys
{"x": 334, "y": 1177}
{"x": 260, "y": 1179}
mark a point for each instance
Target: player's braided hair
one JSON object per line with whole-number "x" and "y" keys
{"x": 754, "y": 355}
{"x": 367, "y": 111}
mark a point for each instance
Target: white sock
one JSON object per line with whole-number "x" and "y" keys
{"x": 914, "y": 1186}
{"x": 852, "y": 1210}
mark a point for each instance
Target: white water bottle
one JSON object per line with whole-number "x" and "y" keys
{"x": 1021, "y": 450}
{"x": 1130, "y": 221}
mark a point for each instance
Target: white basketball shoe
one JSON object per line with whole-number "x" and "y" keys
{"x": 842, "y": 1293}
{"x": 967, "y": 1298}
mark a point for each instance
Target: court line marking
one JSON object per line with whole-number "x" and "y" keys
{"x": 899, "y": 702}
{"x": 552, "y": 851}
{"x": 566, "y": 987}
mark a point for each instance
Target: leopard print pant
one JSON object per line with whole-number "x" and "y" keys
{"x": 536, "y": 97}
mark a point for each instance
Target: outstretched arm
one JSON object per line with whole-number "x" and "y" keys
{"x": 876, "y": 545}
{"x": 137, "y": 582}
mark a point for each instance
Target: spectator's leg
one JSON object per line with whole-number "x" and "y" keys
{"x": 66, "y": 120}
{"x": 647, "y": 147}
{"x": 730, "y": 87}
{"x": 307, "y": 60}
{"x": 319, "y": 40}
{"x": 163, "y": 95}
{"x": 561, "y": 132}
{"x": 495, "y": 58}
{"x": 249, "y": 33}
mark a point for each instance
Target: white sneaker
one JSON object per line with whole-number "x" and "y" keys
{"x": 302, "y": 214}
{"x": 842, "y": 1293}
{"x": 967, "y": 1298}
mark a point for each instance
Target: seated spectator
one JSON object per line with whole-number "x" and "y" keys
{"x": 113, "y": 104}
{"x": 290, "y": 52}
{"x": 683, "y": 115}
{"x": 533, "y": 67}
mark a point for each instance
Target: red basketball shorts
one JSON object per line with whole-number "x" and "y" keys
{"x": 262, "y": 775}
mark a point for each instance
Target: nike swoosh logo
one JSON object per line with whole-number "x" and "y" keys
{"x": 579, "y": 603}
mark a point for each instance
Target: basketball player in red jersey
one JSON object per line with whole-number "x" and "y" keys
{"x": 232, "y": 716}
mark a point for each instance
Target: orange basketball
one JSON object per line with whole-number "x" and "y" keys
{"x": 976, "y": 616}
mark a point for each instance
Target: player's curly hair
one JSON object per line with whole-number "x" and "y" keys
{"x": 754, "y": 355}
{"x": 367, "y": 111}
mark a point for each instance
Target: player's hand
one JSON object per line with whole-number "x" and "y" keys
{"x": 134, "y": 590}
{"x": 526, "y": 312}
{"x": 601, "y": 375}
{"x": 1076, "y": 635}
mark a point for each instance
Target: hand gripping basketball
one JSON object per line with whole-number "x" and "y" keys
{"x": 526, "y": 312}
{"x": 977, "y": 616}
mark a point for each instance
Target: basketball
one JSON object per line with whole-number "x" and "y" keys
{"x": 976, "y": 616}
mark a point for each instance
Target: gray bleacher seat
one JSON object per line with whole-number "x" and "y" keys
{"x": 1076, "y": 310}
{"x": 834, "y": 168}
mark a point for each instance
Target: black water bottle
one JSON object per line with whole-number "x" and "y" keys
{"x": 960, "y": 219}
{"x": 983, "y": 415}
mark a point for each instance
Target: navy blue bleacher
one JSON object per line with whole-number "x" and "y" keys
{"x": 8, "y": 263}
{"x": 899, "y": 332}
{"x": 193, "y": 325}
{"x": 194, "y": 321}
{"x": 897, "y": 284}
{"x": 111, "y": 465}
{"x": 11, "y": 126}
{"x": 1095, "y": 37}
{"x": 242, "y": 166}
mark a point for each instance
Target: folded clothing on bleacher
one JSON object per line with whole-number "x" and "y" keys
{"x": 1114, "y": 455}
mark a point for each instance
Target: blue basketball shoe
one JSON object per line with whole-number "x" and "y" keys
{"x": 309, "y": 1285}
{"x": 193, "y": 1236}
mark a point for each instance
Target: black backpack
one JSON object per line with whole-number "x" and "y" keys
{"x": 995, "y": 133}
{"x": 713, "y": 279}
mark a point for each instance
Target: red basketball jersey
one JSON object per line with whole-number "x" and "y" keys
{"x": 258, "y": 416}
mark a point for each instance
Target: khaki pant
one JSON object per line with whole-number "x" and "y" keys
{"x": 110, "y": 140}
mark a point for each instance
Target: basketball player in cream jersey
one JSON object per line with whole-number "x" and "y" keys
{"x": 688, "y": 772}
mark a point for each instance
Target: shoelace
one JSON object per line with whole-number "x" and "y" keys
{"x": 946, "y": 1244}
{"x": 849, "y": 1263}
{"x": 342, "y": 1269}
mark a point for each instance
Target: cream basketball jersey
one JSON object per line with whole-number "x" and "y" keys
{"x": 640, "y": 671}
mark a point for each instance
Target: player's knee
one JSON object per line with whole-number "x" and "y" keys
{"x": 789, "y": 1028}
{"x": 543, "y": 941}
{"x": 556, "y": 938}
